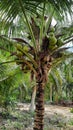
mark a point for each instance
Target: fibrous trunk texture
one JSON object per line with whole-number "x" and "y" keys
{"x": 41, "y": 79}
{"x": 40, "y": 83}
{"x": 39, "y": 117}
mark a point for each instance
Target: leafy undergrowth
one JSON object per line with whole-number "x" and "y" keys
{"x": 21, "y": 119}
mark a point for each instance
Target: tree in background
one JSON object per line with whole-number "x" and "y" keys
{"x": 11, "y": 83}
{"x": 67, "y": 88}
{"x": 55, "y": 84}
{"x": 43, "y": 48}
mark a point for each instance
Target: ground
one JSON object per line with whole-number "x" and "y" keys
{"x": 56, "y": 118}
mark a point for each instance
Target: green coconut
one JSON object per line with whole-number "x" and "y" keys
{"x": 52, "y": 29}
{"x": 59, "y": 42}
{"x": 51, "y": 47}
{"x": 52, "y": 39}
{"x": 26, "y": 48}
{"x": 19, "y": 54}
{"x": 18, "y": 46}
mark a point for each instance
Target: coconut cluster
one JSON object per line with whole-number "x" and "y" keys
{"x": 51, "y": 42}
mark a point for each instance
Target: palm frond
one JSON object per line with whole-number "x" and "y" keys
{"x": 29, "y": 65}
{"x": 61, "y": 7}
{"x": 2, "y": 48}
{"x": 57, "y": 52}
{"x": 48, "y": 22}
{"x": 55, "y": 80}
{"x": 64, "y": 30}
{"x": 61, "y": 59}
{"x": 6, "y": 43}
{"x": 7, "y": 62}
{"x": 23, "y": 41}
{"x": 12, "y": 7}
{"x": 29, "y": 57}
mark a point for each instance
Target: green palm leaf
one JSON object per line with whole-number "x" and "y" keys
{"x": 13, "y": 7}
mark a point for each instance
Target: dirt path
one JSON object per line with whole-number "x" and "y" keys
{"x": 59, "y": 116}
{"x": 56, "y": 118}
{"x": 51, "y": 109}
{"x": 54, "y": 109}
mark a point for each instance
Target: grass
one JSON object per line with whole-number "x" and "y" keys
{"x": 71, "y": 110}
{"x": 71, "y": 122}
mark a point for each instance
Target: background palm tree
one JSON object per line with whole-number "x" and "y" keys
{"x": 67, "y": 87}
{"x": 43, "y": 49}
{"x": 12, "y": 85}
{"x": 55, "y": 84}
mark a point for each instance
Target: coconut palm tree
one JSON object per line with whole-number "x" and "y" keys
{"x": 42, "y": 48}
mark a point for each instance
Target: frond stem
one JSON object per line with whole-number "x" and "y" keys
{"x": 28, "y": 25}
{"x": 42, "y": 24}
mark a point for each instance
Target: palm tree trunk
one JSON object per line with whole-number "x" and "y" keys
{"x": 51, "y": 92}
{"x": 39, "y": 117}
{"x": 32, "y": 105}
{"x": 40, "y": 85}
{"x": 41, "y": 79}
